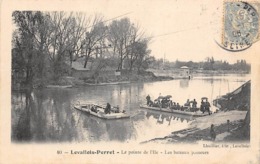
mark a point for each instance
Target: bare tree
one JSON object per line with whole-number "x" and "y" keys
{"x": 66, "y": 38}
{"x": 137, "y": 47}
{"x": 121, "y": 37}
{"x": 76, "y": 39}
{"x": 95, "y": 37}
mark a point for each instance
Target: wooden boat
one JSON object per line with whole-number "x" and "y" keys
{"x": 100, "y": 111}
{"x": 194, "y": 114}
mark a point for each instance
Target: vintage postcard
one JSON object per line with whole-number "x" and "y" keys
{"x": 111, "y": 81}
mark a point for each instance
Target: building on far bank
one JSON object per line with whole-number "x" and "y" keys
{"x": 185, "y": 72}
{"x": 94, "y": 69}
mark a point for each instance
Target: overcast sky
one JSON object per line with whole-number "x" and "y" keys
{"x": 184, "y": 30}
{"x": 190, "y": 27}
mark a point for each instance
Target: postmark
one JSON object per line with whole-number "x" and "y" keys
{"x": 240, "y": 26}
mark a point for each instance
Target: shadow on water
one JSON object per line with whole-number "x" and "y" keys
{"x": 167, "y": 118}
{"x": 21, "y": 123}
{"x": 104, "y": 130}
{"x": 184, "y": 83}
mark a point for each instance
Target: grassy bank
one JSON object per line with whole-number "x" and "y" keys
{"x": 128, "y": 77}
{"x": 143, "y": 76}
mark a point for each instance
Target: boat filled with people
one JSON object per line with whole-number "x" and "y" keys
{"x": 102, "y": 111}
{"x": 165, "y": 104}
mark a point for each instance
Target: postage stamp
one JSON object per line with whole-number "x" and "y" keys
{"x": 240, "y": 25}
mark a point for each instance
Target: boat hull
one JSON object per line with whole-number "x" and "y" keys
{"x": 101, "y": 114}
{"x": 194, "y": 114}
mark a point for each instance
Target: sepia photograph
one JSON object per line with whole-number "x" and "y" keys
{"x": 119, "y": 78}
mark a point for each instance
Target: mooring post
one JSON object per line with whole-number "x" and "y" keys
{"x": 228, "y": 125}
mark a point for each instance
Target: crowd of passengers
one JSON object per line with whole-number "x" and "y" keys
{"x": 165, "y": 102}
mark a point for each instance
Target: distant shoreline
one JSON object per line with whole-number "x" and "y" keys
{"x": 146, "y": 76}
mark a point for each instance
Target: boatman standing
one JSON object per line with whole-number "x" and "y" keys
{"x": 207, "y": 106}
{"x": 108, "y": 109}
{"x": 148, "y": 99}
{"x": 194, "y": 104}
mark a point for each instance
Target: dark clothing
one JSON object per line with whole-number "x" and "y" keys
{"x": 108, "y": 109}
{"x": 94, "y": 109}
{"x": 148, "y": 98}
{"x": 117, "y": 110}
{"x": 207, "y": 107}
{"x": 212, "y": 133}
{"x": 194, "y": 104}
{"x": 178, "y": 107}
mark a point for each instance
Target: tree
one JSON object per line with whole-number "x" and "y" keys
{"x": 95, "y": 37}
{"x": 121, "y": 36}
{"x": 45, "y": 41}
{"x": 28, "y": 42}
{"x": 65, "y": 40}
{"x": 143, "y": 58}
{"x": 76, "y": 39}
{"x": 208, "y": 65}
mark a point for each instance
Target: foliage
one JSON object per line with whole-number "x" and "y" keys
{"x": 45, "y": 42}
{"x": 209, "y": 64}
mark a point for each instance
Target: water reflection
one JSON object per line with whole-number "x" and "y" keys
{"x": 166, "y": 118}
{"x": 42, "y": 117}
{"x": 184, "y": 83}
{"x": 106, "y": 130}
{"x": 48, "y": 115}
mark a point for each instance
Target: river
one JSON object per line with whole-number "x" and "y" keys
{"x": 48, "y": 116}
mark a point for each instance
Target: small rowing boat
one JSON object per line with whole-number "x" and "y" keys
{"x": 194, "y": 114}
{"x": 99, "y": 111}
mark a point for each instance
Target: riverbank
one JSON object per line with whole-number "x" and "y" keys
{"x": 122, "y": 79}
{"x": 70, "y": 81}
{"x": 199, "y": 129}
{"x": 232, "y": 123}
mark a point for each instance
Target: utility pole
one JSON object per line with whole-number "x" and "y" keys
{"x": 163, "y": 60}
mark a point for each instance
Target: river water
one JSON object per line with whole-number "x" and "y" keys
{"x": 48, "y": 115}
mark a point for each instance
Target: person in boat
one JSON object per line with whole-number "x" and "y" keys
{"x": 154, "y": 104}
{"x": 194, "y": 104}
{"x": 170, "y": 104}
{"x": 148, "y": 99}
{"x": 117, "y": 109}
{"x": 187, "y": 103}
{"x": 174, "y": 106}
{"x": 167, "y": 102}
{"x": 202, "y": 106}
{"x": 207, "y": 106}
{"x": 94, "y": 109}
{"x": 182, "y": 108}
{"x": 164, "y": 103}
{"x": 108, "y": 109}
{"x": 178, "y": 107}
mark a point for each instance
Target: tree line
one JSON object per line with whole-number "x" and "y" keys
{"x": 42, "y": 42}
{"x": 208, "y": 64}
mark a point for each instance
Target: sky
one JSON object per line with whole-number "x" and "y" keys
{"x": 185, "y": 30}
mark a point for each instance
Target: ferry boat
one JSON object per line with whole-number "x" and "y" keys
{"x": 185, "y": 112}
{"x": 99, "y": 111}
